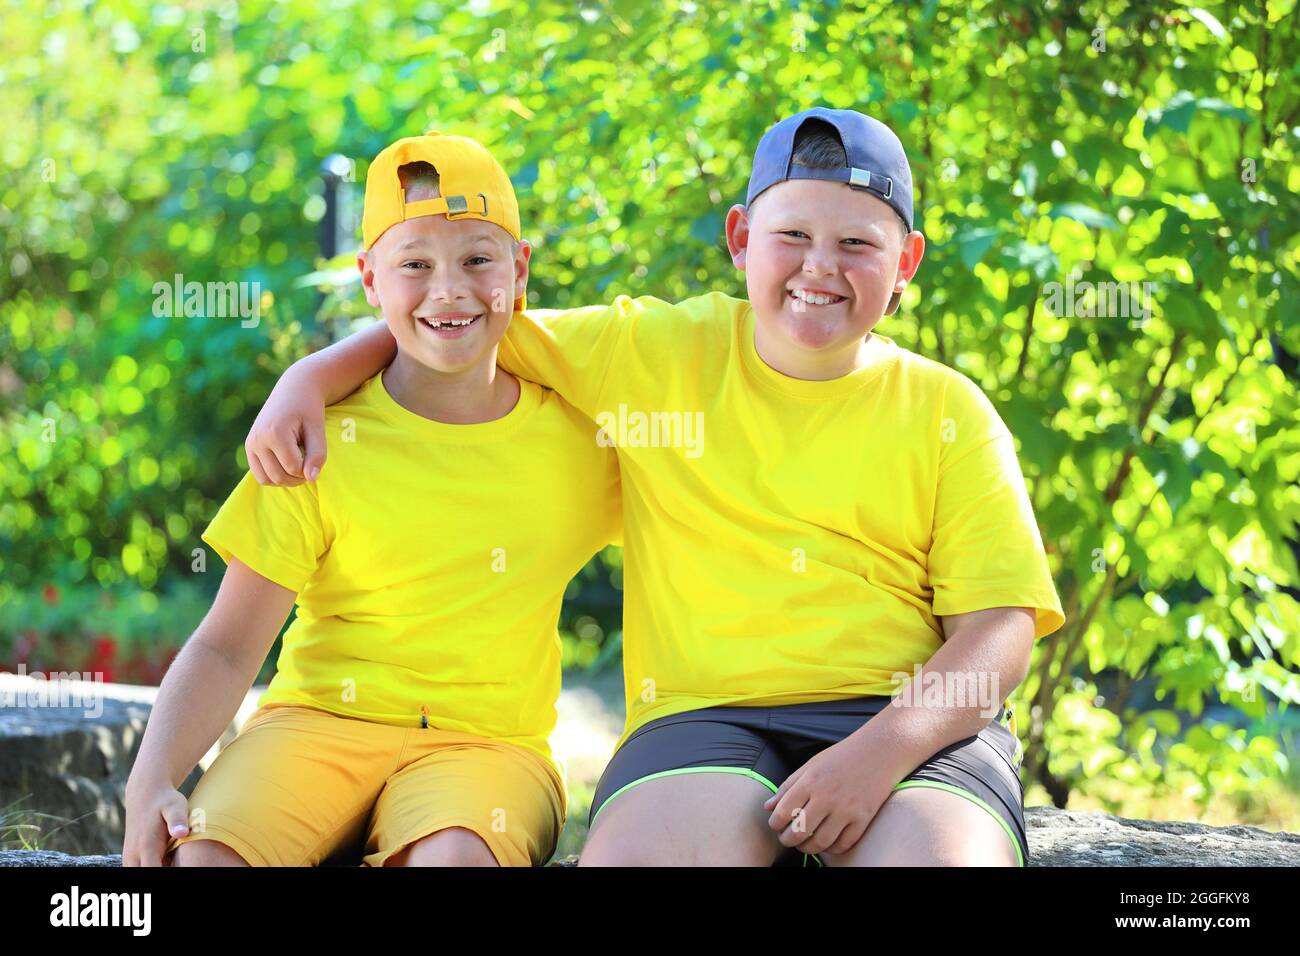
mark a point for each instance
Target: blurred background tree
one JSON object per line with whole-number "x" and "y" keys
{"x": 1054, "y": 149}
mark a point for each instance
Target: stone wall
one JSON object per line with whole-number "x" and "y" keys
{"x": 63, "y": 769}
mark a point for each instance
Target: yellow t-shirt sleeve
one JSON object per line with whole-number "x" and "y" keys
{"x": 278, "y": 532}
{"x": 986, "y": 550}
{"x": 568, "y": 350}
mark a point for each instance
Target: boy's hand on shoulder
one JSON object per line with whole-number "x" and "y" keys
{"x": 155, "y": 813}
{"x": 286, "y": 444}
{"x": 827, "y": 804}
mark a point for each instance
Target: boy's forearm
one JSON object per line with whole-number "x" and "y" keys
{"x": 198, "y": 699}
{"x": 339, "y": 370}
{"x": 913, "y": 728}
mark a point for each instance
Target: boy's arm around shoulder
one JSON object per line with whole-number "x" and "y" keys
{"x": 199, "y": 697}
{"x": 570, "y": 351}
{"x": 286, "y": 445}
{"x": 590, "y": 353}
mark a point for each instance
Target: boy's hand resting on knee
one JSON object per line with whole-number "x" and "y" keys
{"x": 286, "y": 445}
{"x": 827, "y": 804}
{"x": 154, "y": 814}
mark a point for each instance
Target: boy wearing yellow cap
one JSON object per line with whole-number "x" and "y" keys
{"x": 847, "y": 517}
{"x": 409, "y": 717}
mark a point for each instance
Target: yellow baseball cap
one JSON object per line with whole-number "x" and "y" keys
{"x": 473, "y": 186}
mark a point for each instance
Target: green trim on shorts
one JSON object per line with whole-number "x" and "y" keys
{"x": 672, "y": 773}
{"x": 905, "y": 785}
{"x": 937, "y": 785}
{"x": 680, "y": 770}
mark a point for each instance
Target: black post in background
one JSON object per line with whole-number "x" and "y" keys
{"x": 336, "y": 226}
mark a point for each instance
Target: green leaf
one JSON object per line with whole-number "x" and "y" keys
{"x": 1178, "y": 112}
{"x": 1092, "y": 218}
{"x": 707, "y": 228}
{"x": 974, "y": 243}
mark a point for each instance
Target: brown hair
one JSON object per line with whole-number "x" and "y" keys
{"x": 419, "y": 181}
{"x": 817, "y": 145}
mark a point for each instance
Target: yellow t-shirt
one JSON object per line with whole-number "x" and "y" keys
{"x": 787, "y": 540}
{"x": 430, "y": 562}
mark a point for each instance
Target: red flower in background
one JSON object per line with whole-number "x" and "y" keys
{"x": 103, "y": 652}
{"x": 51, "y": 594}
{"x": 103, "y": 655}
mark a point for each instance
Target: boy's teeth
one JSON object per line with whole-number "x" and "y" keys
{"x": 813, "y": 298}
{"x": 447, "y": 323}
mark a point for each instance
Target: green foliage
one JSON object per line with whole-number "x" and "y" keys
{"x": 1053, "y": 147}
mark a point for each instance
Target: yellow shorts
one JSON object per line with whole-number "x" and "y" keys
{"x": 299, "y": 786}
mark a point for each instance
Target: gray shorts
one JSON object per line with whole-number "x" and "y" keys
{"x": 770, "y": 743}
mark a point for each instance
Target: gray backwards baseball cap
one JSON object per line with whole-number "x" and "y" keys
{"x": 877, "y": 162}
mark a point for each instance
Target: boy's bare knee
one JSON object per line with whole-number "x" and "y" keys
{"x": 904, "y": 853}
{"x": 206, "y": 853}
{"x": 454, "y": 846}
{"x": 615, "y": 852}
{"x": 704, "y": 819}
{"x": 927, "y": 827}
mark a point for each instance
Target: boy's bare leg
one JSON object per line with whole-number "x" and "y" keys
{"x": 454, "y": 846}
{"x": 692, "y": 819}
{"x": 926, "y": 827}
{"x": 206, "y": 853}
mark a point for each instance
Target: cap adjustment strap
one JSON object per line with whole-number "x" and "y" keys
{"x": 862, "y": 179}
{"x": 454, "y": 207}
{"x": 882, "y": 186}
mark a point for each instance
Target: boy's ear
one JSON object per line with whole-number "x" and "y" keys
{"x": 367, "y": 278}
{"x": 522, "y": 255}
{"x": 909, "y": 260}
{"x": 738, "y": 234}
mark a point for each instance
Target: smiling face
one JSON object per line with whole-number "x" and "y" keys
{"x": 446, "y": 288}
{"x": 821, "y": 261}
